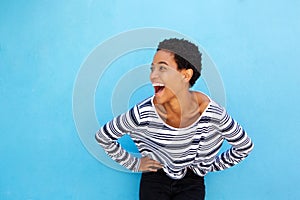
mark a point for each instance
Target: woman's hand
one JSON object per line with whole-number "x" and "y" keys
{"x": 149, "y": 165}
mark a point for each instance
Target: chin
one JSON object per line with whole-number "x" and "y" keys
{"x": 161, "y": 99}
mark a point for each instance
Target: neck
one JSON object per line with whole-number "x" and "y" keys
{"x": 180, "y": 111}
{"x": 182, "y": 105}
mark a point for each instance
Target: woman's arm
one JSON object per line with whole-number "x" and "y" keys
{"x": 108, "y": 135}
{"x": 241, "y": 144}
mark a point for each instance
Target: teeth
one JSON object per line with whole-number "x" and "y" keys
{"x": 158, "y": 84}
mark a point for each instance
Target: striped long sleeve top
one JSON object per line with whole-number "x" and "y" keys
{"x": 196, "y": 146}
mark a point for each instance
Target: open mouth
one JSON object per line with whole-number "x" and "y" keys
{"x": 158, "y": 87}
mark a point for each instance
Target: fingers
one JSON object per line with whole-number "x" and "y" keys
{"x": 149, "y": 165}
{"x": 154, "y": 165}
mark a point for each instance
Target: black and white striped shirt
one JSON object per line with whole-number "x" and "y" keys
{"x": 195, "y": 147}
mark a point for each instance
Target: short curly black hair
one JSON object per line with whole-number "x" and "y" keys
{"x": 186, "y": 55}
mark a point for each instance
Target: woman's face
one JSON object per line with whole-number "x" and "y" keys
{"x": 167, "y": 81}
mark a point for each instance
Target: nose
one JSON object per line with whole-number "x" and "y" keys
{"x": 153, "y": 74}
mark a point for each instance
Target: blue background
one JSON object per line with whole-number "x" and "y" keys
{"x": 255, "y": 45}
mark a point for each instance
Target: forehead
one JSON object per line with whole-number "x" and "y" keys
{"x": 163, "y": 56}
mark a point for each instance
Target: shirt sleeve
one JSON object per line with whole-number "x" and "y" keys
{"x": 108, "y": 135}
{"x": 241, "y": 144}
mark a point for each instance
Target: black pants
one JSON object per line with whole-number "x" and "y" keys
{"x": 158, "y": 186}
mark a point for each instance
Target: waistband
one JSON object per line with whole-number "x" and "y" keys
{"x": 161, "y": 172}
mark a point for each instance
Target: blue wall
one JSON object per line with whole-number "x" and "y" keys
{"x": 254, "y": 44}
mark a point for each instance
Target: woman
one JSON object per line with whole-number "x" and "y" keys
{"x": 178, "y": 132}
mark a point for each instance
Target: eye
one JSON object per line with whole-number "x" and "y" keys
{"x": 162, "y": 68}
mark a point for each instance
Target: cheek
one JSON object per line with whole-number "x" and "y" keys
{"x": 171, "y": 76}
{"x": 174, "y": 82}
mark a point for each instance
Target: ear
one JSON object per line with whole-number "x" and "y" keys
{"x": 187, "y": 74}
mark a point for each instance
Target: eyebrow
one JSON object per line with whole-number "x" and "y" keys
{"x": 161, "y": 62}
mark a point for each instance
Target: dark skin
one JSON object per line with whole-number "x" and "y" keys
{"x": 175, "y": 103}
